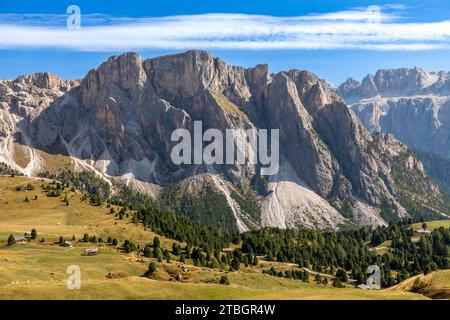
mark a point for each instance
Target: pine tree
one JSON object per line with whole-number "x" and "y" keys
{"x": 156, "y": 242}
{"x": 152, "y": 268}
{"x": 157, "y": 253}
{"x": 235, "y": 264}
{"x": 147, "y": 252}
{"x": 11, "y": 240}
{"x": 305, "y": 277}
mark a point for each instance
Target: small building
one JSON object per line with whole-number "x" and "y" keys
{"x": 227, "y": 250}
{"x": 421, "y": 232}
{"x": 91, "y": 251}
{"x": 27, "y": 235}
{"x": 66, "y": 244}
{"x": 20, "y": 239}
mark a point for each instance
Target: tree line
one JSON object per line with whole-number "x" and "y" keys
{"x": 354, "y": 250}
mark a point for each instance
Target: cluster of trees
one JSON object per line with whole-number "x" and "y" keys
{"x": 301, "y": 275}
{"x": 131, "y": 199}
{"x": 412, "y": 186}
{"x": 204, "y": 258}
{"x": 172, "y": 226}
{"x": 94, "y": 239}
{"x": 54, "y": 189}
{"x": 129, "y": 246}
{"x": 27, "y": 187}
{"x": 95, "y": 200}
{"x": 123, "y": 213}
{"x": 6, "y": 170}
{"x": 84, "y": 180}
{"x": 207, "y": 206}
{"x": 352, "y": 251}
{"x": 155, "y": 251}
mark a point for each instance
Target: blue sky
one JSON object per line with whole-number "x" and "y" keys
{"x": 333, "y": 39}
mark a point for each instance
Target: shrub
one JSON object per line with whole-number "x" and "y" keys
{"x": 224, "y": 280}
{"x": 337, "y": 283}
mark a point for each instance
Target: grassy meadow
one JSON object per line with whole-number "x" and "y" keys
{"x": 37, "y": 270}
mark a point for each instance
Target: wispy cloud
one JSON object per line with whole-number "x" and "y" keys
{"x": 352, "y": 29}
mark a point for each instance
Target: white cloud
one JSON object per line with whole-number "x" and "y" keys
{"x": 351, "y": 29}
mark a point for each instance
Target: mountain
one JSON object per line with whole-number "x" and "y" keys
{"x": 396, "y": 83}
{"x": 411, "y": 104}
{"x": 118, "y": 121}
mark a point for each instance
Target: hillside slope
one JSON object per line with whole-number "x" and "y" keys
{"x": 37, "y": 269}
{"x": 435, "y": 285}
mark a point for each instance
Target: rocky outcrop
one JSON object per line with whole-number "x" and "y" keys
{"x": 119, "y": 119}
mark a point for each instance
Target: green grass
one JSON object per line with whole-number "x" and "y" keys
{"x": 46, "y": 280}
{"x": 225, "y": 104}
{"x": 433, "y": 224}
{"x": 52, "y": 218}
{"x": 141, "y": 288}
{"x": 36, "y": 271}
{"x": 34, "y": 264}
{"x": 435, "y": 285}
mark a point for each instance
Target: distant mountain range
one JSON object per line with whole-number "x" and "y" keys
{"x": 411, "y": 104}
{"x": 118, "y": 120}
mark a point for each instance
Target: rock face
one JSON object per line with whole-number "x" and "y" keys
{"x": 411, "y": 104}
{"x": 118, "y": 122}
{"x": 21, "y": 100}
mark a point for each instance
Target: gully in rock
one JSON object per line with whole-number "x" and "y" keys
{"x": 241, "y": 146}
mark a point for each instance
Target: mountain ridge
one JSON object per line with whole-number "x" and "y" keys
{"x": 117, "y": 122}
{"x": 415, "y": 108}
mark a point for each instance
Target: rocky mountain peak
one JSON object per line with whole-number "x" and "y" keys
{"x": 349, "y": 85}
{"x": 313, "y": 91}
{"x": 44, "y": 80}
{"x": 119, "y": 73}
